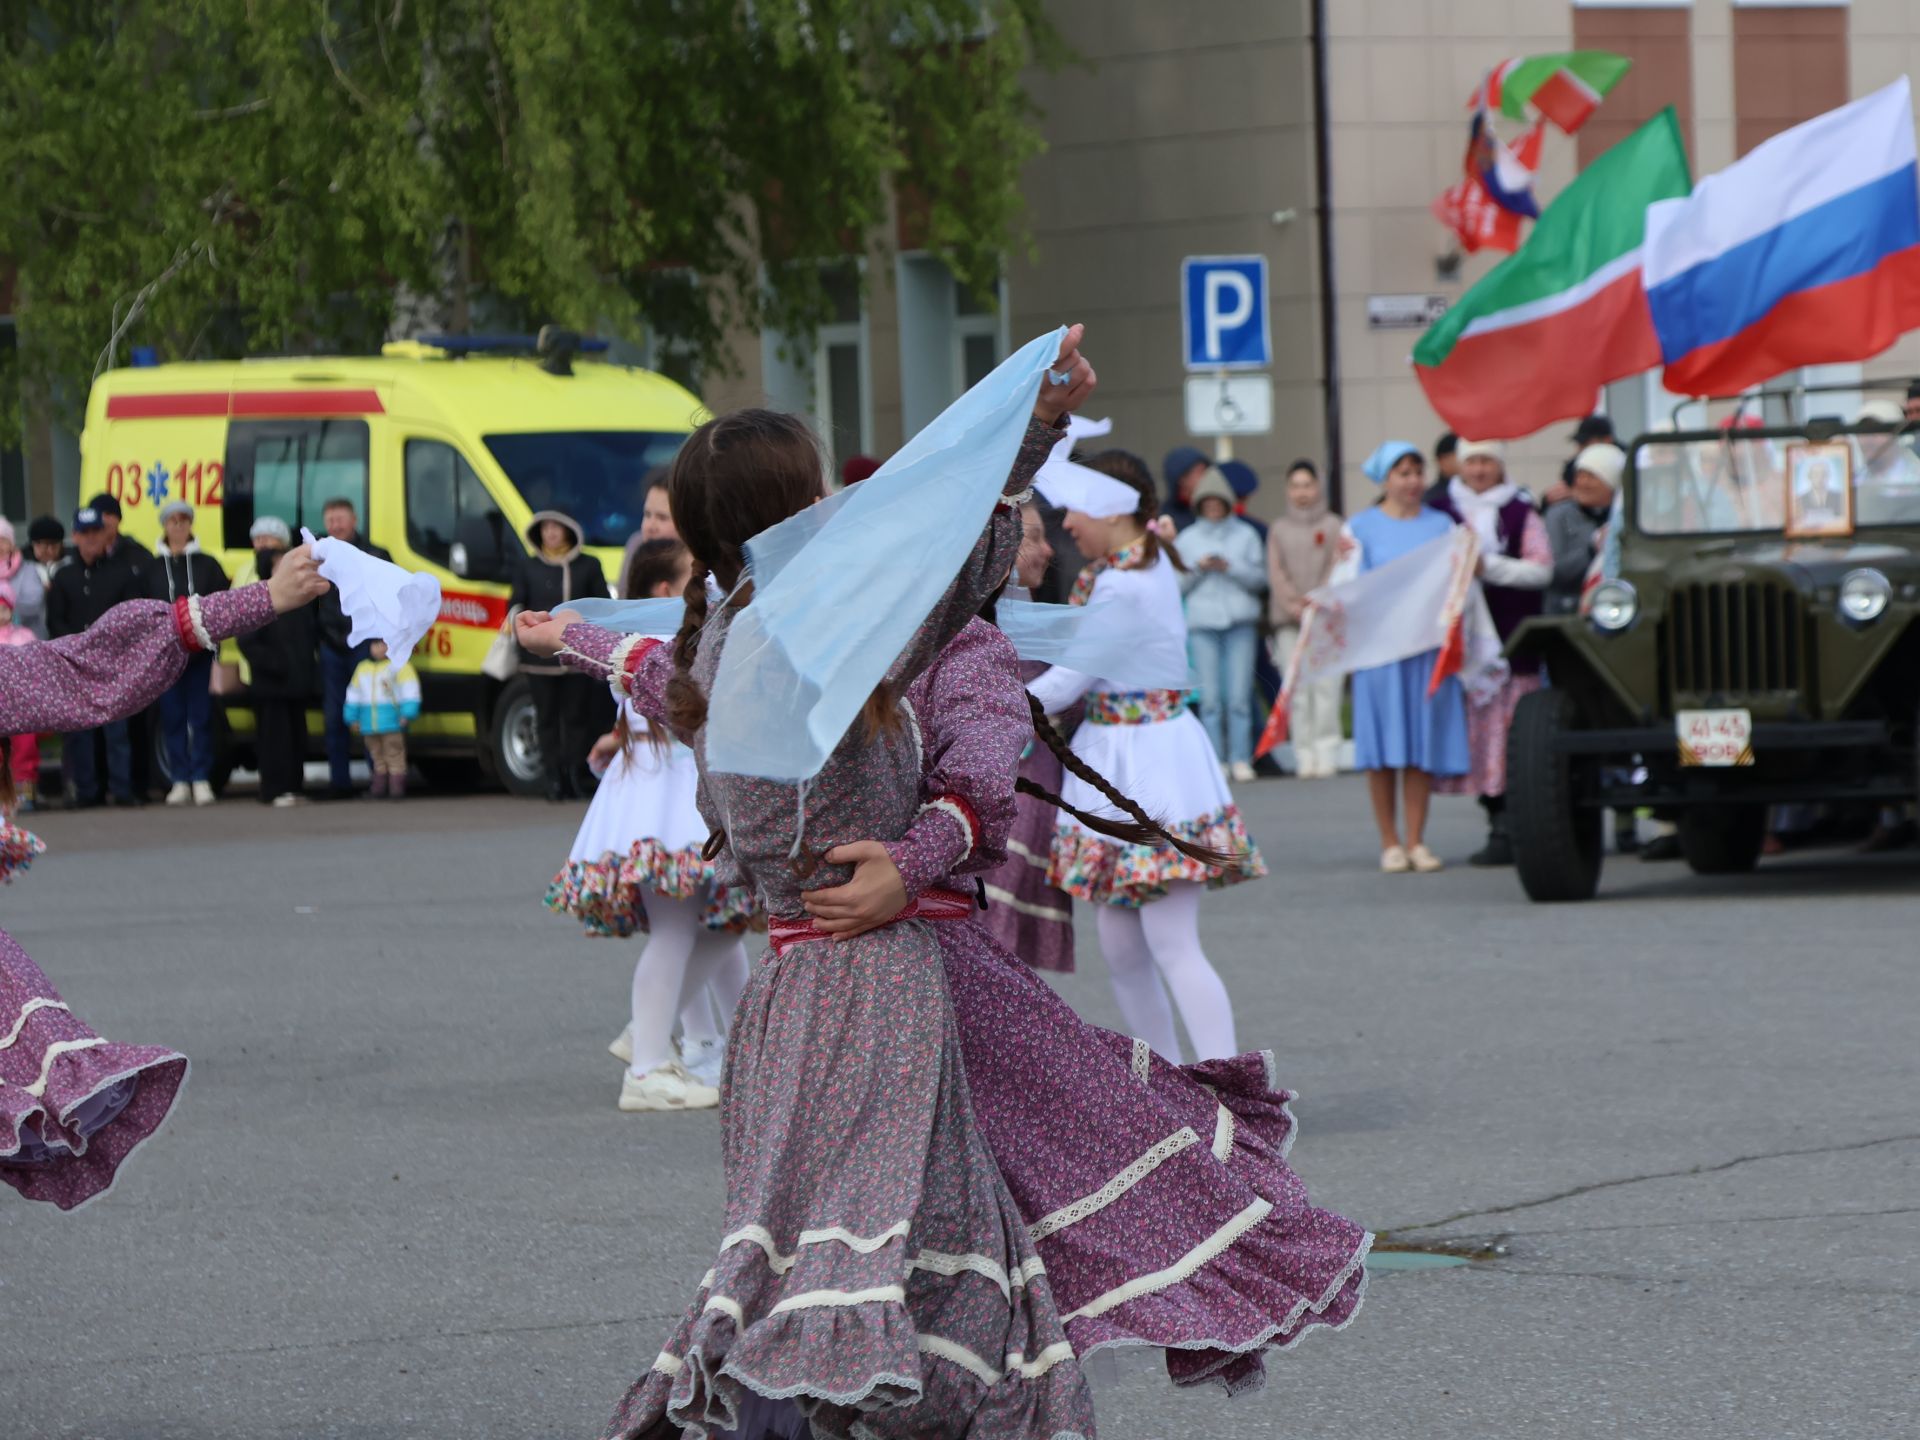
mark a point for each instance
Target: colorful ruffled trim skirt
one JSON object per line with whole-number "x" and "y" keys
{"x": 1103, "y": 871}
{"x": 17, "y": 850}
{"x": 608, "y": 895}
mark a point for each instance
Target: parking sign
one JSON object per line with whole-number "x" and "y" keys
{"x": 1223, "y": 302}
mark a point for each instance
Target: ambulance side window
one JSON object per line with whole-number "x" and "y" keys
{"x": 291, "y": 468}
{"x": 447, "y": 507}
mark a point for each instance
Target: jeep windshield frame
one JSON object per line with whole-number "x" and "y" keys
{"x": 1734, "y": 481}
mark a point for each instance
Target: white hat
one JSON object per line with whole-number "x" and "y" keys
{"x": 1607, "y": 462}
{"x": 1076, "y": 487}
{"x": 1887, "y": 412}
{"x": 1493, "y": 449}
{"x": 271, "y": 525}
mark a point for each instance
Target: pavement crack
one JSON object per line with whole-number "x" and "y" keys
{"x": 1717, "y": 1222}
{"x": 1574, "y": 1191}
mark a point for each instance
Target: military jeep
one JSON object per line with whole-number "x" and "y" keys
{"x": 1754, "y": 645}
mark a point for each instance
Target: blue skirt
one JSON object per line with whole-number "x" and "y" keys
{"x": 1396, "y": 726}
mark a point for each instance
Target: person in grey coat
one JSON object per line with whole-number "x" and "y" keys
{"x": 1573, "y": 525}
{"x": 1225, "y": 582}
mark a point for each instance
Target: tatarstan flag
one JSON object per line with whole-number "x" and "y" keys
{"x": 1566, "y": 88}
{"x": 1565, "y": 314}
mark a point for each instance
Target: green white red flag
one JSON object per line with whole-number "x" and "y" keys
{"x": 1566, "y": 88}
{"x": 1537, "y": 337}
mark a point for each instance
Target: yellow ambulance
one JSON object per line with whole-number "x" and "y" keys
{"x": 446, "y": 446}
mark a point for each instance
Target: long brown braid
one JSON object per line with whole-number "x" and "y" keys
{"x": 1143, "y": 830}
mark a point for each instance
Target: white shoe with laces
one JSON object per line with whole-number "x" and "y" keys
{"x": 705, "y": 1060}
{"x": 180, "y": 794}
{"x": 203, "y": 793}
{"x": 622, "y": 1047}
{"x": 1394, "y": 861}
{"x": 667, "y": 1088}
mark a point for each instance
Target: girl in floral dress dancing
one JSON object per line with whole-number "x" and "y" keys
{"x": 874, "y": 1270}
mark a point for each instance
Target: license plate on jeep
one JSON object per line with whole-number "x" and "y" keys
{"x": 1715, "y": 738}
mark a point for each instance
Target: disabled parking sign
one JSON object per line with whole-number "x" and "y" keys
{"x": 1223, "y": 304}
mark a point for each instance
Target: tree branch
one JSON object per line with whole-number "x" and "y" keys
{"x": 333, "y": 59}
{"x": 234, "y": 112}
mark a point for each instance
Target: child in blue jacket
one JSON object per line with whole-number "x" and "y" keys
{"x": 380, "y": 702}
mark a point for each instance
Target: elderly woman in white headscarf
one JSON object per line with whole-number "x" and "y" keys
{"x": 1516, "y": 566}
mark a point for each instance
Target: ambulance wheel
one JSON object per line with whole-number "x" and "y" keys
{"x": 515, "y": 741}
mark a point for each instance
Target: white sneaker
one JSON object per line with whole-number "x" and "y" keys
{"x": 1394, "y": 861}
{"x": 706, "y": 1060}
{"x": 203, "y": 793}
{"x": 622, "y": 1047}
{"x": 180, "y": 794}
{"x": 1240, "y": 772}
{"x": 667, "y": 1088}
{"x": 288, "y": 801}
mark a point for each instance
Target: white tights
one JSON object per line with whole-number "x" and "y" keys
{"x": 682, "y": 960}
{"x": 1161, "y": 941}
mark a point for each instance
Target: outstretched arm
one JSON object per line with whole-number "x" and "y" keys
{"x": 636, "y": 666}
{"x": 123, "y": 662}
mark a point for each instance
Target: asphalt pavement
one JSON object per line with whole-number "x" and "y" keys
{"x": 397, "y": 1199}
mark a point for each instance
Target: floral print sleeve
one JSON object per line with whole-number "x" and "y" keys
{"x": 974, "y": 725}
{"x": 637, "y": 666}
{"x": 121, "y": 663}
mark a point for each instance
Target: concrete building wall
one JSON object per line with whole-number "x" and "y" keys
{"x": 1186, "y": 130}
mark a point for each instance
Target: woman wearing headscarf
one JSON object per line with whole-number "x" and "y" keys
{"x": 1302, "y": 548}
{"x": 1403, "y": 736}
{"x": 1516, "y": 566}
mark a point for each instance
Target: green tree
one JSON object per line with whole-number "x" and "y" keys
{"x": 221, "y": 177}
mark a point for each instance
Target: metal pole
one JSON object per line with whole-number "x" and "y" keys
{"x": 1323, "y": 217}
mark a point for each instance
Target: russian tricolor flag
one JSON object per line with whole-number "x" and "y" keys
{"x": 1804, "y": 252}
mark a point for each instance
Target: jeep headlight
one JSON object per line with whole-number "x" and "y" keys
{"x": 1864, "y": 595}
{"x": 1614, "y": 606}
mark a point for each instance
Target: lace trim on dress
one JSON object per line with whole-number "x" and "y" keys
{"x": 815, "y": 1299}
{"x": 940, "y": 1262}
{"x": 38, "y": 1002}
{"x": 1086, "y": 1205}
{"x": 53, "y": 1052}
{"x": 1026, "y": 907}
{"x": 1210, "y": 1248}
{"x": 1142, "y": 1060}
{"x": 1223, "y": 1134}
{"x": 781, "y": 1264}
{"x": 977, "y": 1366}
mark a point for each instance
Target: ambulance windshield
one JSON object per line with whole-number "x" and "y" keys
{"x": 598, "y": 477}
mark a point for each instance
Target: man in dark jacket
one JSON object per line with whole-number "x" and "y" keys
{"x": 337, "y": 657}
{"x": 182, "y": 568}
{"x": 283, "y": 677}
{"x": 121, "y": 549}
{"x": 564, "y": 708}
{"x": 78, "y": 594}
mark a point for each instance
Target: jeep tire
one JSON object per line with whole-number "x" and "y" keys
{"x": 1557, "y": 845}
{"x": 1723, "y": 839}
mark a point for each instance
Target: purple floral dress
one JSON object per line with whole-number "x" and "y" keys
{"x": 1159, "y": 1196}
{"x": 74, "y": 1105}
{"x": 874, "y": 1270}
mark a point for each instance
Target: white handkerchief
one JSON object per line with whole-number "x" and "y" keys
{"x": 383, "y": 601}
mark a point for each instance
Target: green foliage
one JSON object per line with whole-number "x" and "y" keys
{"x": 223, "y": 177}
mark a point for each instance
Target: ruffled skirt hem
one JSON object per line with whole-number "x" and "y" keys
{"x": 1104, "y": 871}
{"x": 608, "y": 896}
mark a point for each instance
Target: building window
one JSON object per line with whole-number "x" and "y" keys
{"x": 830, "y": 380}
{"x": 291, "y": 468}
{"x": 1659, "y": 40}
{"x": 1790, "y": 64}
{"x": 950, "y": 338}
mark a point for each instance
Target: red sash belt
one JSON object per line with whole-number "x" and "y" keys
{"x": 784, "y": 934}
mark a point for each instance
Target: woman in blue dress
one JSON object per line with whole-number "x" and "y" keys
{"x": 1400, "y": 733}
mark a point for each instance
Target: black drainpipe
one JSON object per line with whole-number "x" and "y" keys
{"x": 1323, "y": 219}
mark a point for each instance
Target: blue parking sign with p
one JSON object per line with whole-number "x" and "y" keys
{"x": 1224, "y": 306}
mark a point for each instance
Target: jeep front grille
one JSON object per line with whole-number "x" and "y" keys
{"x": 1730, "y": 641}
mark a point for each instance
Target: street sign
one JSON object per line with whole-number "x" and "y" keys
{"x": 1404, "y": 312}
{"x": 1229, "y": 404}
{"x": 1223, "y": 307}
